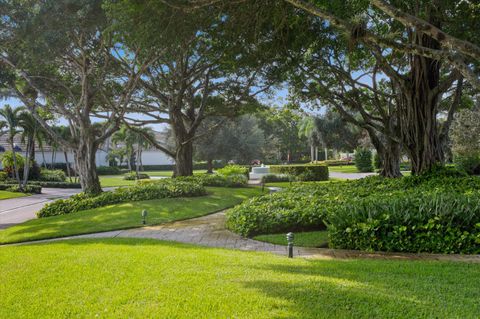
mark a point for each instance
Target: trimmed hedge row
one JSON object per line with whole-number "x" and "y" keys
{"x": 437, "y": 213}
{"x": 29, "y": 189}
{"x": 309, "y": 172}
{"x": 47, "y": 184}
{"x": 132, "y": 176}
{"x": 168, "y": 188}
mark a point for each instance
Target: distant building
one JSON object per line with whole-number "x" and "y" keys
{"x": 49, "y": 155}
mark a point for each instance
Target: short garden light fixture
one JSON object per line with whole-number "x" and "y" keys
{"x": 290, "y": 244}
{"x": 144, "y": 216}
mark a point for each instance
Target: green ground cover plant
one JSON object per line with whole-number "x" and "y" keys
{"x": 133, "y": 278}
{"x": 128, "y": 215}
{"x": 437, "y": 212}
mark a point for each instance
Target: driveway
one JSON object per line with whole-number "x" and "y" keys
{"x": 17, "y": 210}
{"x": 350, "y": 175}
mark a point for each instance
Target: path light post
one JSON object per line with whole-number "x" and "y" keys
{"x": 290, "y": 244}
{"x": 144, "y": 216}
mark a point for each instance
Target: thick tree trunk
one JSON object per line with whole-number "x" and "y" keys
{"x": 87, "y": 169}
{"x": 68, "y": 166}
{"x": 184, "y": 160}
{"x": 390, "y": 158}
{"x": 210, "y": 166}
{"x": 419, "y": 117}
{"x": 389, "y": 152}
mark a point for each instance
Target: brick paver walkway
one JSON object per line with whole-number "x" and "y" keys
{"x": 210, "y": 231}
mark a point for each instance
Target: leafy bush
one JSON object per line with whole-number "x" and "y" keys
{"x": 270, "y": 178}
{"x": 132, "y": 176}
{"x": 374, "y": 213}
{"x": 468, "y": 163}
{"x": 363, "y": 160}
{"x": 167, "y": 188}
{"x": 312, "y": 172}
{"x": 109, "y": 170}
{"x": 30, "y": 189}
{"x": 3, "y": 176}
{"x": 233, "y": 170}
{"x": 7, "y": 162}
{"x": 409, "y": 222}
{"x": 48, "y": 175}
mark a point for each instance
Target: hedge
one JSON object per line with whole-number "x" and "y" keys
{"x": 29, "y": 189}
{"x": 48, "y": 175}
{"x": 47, "y": 184}
{"x": 310, "y": 172}
{"x": 374, "y": 213}
{"x": 109, "y": 170}
{"x": 168, "y": 188}
{"x": 132, "y": 176}
{"x": 230, "y": 170}
{"x": 336, "y": 162}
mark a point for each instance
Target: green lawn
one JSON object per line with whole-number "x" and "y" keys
{"x": 303, "y": 239}
{"x": 127, "y": 215}
{"x": 343, "y": 169}
{"x": 133, "y": 278}
{"x": 7, "y": 195}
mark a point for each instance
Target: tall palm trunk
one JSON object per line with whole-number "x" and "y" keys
{"x": 15, "y": 164}
{"x": 28, "y": 155}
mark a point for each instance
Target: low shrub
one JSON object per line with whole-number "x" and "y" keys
{"x": 309, "y": 172}
{"x": 468, "y": 163}
{"x": 377, "y": 161}
{"x": 233, "y": 170}
{"x": 167, "y": 188}
{"x": 29, "y": 189}
{"x": 48, "y": 175}
{"x": 271, "y": 178}
{"x": 46, "y": 184}
{"x": 409, "y": 222}
{"x": 132, "y": 176}
{"x": 363, "y": 160}
{"x": 109, "y": 170}
{"x": 3, "y": 176}
{"x": 374, "y": 213}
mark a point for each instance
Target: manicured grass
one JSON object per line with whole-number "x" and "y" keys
{"x": 114, "y": 181}
{"x": 127, "y": 215}
{"x": 343, "y": 169}
{"x": 304, "y": 239}
{"x": 170, "y": 173}
{"x": 133, "y": 278}
{"x": 7, "y": 195}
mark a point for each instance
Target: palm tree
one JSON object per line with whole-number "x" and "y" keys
{"x": 30, "y": 129}
{"x": 310, "y": 128}
{"x": 11, "y": 116}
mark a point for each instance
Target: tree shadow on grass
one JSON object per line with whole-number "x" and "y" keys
{"x": 374, "y": 289}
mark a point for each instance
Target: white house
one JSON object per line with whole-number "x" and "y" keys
{"x": 151, "y": 156}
